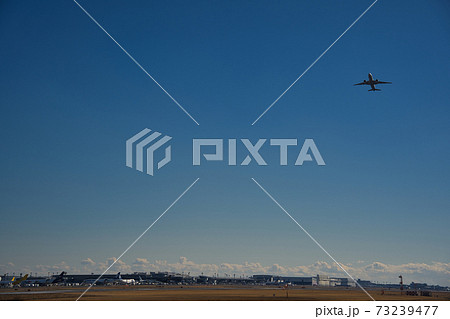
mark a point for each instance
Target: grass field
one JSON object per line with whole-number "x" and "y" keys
{"x": 205, "y": 293}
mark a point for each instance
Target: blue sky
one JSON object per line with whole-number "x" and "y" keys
{"x": 70, "y": 98}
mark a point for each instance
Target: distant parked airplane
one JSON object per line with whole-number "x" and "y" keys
{"x": 118, "y": 280}
{"x": 148, "y": 281}
{"x": 372, "y": 83}
{"x": 47, "y": 281}
{"x": 13, "y": 281}
{"x": 18, "y": 281}
{"x": 7, "y": 282}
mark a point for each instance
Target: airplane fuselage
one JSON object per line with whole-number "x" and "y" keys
{"x": 372, "y": 85}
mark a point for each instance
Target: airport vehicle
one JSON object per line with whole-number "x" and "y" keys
{"x": 372, "y": 83}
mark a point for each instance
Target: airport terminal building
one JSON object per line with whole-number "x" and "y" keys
{"x": 319, "y": 280}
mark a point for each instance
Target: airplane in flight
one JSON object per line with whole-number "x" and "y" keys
{"x": 372, "y": 83}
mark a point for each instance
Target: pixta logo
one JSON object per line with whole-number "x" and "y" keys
{"x": 308, "y": 148}
{"x": 145, "y": 145}
{"x": 141, "y": 148}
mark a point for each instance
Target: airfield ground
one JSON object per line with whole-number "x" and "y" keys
{"x": 205, "y": 293}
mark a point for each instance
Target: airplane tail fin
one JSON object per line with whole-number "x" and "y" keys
{"x": 19, "y": 281}
{"x": 375, "y": 90}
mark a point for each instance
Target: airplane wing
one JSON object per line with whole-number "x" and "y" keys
{"x": 381, "y": 82}
{"x": 362, "y": 83}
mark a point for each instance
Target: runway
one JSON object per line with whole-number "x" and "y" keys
{"x": 213, "y": 293}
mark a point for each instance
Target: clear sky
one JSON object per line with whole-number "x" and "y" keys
{"x": 70, "y": 98}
